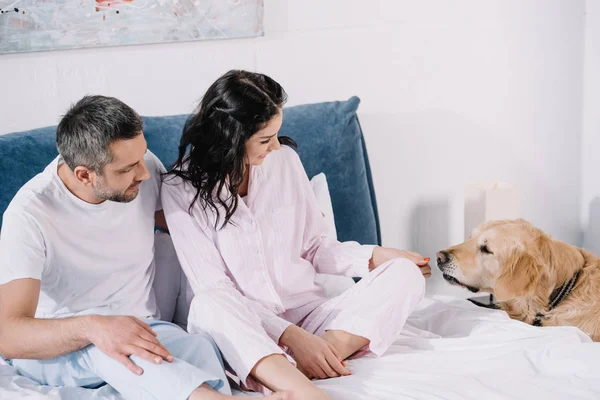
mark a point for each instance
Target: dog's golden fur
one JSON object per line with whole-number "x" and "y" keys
{"x": 522, "y": 266}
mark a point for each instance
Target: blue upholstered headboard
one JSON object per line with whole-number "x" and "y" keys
{"x": 329, "y": 140}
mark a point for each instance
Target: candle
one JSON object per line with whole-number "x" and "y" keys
{"x": 488, "y": 202}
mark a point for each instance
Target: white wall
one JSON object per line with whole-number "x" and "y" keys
{"x": 452, "y": 93}
{"x": 590, "y": 143}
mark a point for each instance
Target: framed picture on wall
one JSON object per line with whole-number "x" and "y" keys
{"x": 36, "y": 25}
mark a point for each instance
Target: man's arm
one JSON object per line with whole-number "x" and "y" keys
{"x": 22, "y": 256}
{"x": 160, "y": 221}
{"x": 157, "y": 169}
{"x": 22, "y": 336}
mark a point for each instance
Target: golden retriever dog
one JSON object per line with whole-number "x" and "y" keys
{"x": 535, "y": 279}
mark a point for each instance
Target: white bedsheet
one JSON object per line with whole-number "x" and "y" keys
{"x": 450, "y": 349}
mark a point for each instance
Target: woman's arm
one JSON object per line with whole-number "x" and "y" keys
{"x": 327, "y": 255}
{"x": 330, "y": 256}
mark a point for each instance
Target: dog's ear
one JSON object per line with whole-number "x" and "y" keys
{"x": 519, "y": 276}
{"x": 563, "y": 259}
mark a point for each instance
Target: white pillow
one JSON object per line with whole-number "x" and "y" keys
{"x": 321, "y": 190}
{"x": 332, "y": 284}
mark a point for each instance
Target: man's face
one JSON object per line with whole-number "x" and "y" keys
{"x": 120, "y": 180}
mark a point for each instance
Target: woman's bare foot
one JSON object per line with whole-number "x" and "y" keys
{"x": 345, "y": 343}
{"x": 280, "y": 396}
{"x": 304, "y": 372}
{"x": 274, "y": 396}
{"x": 279, "y": 375}
{"x": 205, "y": 392}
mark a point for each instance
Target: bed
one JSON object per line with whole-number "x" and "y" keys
{"x": 449, "y": 349}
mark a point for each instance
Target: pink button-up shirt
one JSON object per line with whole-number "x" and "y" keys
{"x": 266, "y": 259}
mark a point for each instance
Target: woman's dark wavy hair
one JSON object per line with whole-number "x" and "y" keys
{"x": 235, "y": 107}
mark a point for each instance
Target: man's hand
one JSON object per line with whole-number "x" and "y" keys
{"x": 120, "y": 336}
{"x": 316, "y": 357}
{"x": 384, "y": 254}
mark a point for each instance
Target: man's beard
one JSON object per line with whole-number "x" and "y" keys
{"x": 105, "y": 193}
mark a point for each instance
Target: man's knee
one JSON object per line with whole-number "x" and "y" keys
{"x": 197, "y": 348}
{"x": 205, "y": 342}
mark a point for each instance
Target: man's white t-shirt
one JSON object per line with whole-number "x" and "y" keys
{"x": 90, "y": 258}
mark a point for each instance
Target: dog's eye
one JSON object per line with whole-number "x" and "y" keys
{"x": 485, "y": 249}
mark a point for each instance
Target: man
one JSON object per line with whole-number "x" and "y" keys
{"x": 77, "y": 267}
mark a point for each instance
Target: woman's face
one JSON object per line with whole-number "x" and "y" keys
{"x": 264, "y": 141}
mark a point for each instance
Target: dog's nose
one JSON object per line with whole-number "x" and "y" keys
{"x": 442, "y": 257}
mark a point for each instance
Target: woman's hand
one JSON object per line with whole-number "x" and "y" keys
{"x": 384, "y": 254}
{"x": 316, "y": 357}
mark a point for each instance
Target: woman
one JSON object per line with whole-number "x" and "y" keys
{"x": 250, "y": 237}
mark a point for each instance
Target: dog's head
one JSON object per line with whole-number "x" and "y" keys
{"x": 508, "y": 259}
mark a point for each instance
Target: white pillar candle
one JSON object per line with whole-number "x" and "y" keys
{"x": 488, "y": 202}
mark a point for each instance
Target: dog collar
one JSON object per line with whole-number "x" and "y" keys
{"x": 557, "y": 296}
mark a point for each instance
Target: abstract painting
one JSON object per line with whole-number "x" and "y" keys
{"x": 35, "y": 25}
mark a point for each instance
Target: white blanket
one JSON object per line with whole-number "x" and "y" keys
{"x": 450, "y": 349}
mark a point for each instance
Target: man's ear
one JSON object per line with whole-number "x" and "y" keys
{"x": 83, "y": 175}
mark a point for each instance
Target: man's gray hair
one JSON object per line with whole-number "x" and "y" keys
{"x": 86, "y": 131}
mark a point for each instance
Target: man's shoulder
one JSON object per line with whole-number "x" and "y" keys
{"x": 156, "y": 169}
{"x": 34, "y": 194}
{"x": 150, "y": 189}
{"x": 153, "y": 163}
